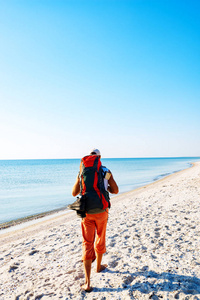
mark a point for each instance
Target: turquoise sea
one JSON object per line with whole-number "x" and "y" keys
{"x": 29, "y": 187}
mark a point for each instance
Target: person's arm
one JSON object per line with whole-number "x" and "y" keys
{"x": 113, "y": 187}
{"x": 76, "y": 187}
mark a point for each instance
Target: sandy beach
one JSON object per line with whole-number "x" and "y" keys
{"x": 153, "y": 248}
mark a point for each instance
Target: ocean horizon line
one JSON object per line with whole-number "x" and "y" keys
{"x": 78, "y": 158}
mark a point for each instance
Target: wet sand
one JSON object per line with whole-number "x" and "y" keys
{"x": 153, "y": 246}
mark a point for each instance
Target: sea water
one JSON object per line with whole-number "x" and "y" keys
{"x": 29, "y": 187}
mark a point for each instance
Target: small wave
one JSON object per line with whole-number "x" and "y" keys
{"x": 162, "y": 175}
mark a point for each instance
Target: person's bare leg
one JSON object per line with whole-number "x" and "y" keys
{"x": 87, "y": 269}
{"x": 100, "y": 267}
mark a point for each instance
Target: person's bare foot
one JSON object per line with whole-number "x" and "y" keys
{"x": 102, "y": 267}
{"x": 86, "y": 288}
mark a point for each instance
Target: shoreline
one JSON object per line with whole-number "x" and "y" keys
{"x": 34, "y": 219}
{"x": 52, "y": 216}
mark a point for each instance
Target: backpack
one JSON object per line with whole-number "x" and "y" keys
{"x": 92, "y": 183}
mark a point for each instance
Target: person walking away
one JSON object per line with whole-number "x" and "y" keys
{"x": 96, "y": 188}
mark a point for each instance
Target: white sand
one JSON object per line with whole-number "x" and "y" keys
{"x": 153, "y": 249}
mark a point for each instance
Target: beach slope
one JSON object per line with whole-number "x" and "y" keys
{"x": 153, "y": 246}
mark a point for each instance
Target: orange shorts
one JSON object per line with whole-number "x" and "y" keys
{"x": 94, "y": 225}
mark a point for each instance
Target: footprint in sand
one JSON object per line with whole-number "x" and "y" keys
{"x": 113, "y": 264}
{"x": 112, "y": 244}
{"x": 13, "y": 267}
{"x": 33, "y": 252}
{"x": 127, "y": 280}
{"x": 157, "y": 229}
{"x": 70, "y": 271}
{"x": 157, "y": 235}
{"x": 79, "y": 276}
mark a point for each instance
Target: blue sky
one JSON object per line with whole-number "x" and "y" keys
{"x": 122, "y": 76}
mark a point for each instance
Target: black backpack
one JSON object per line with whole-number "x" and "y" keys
{"x": 92, "y": 183}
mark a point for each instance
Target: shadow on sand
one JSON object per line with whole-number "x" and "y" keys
{"x": 166, "y": 281}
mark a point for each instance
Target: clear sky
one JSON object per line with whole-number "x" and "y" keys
{"x": 122, "y": 76}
